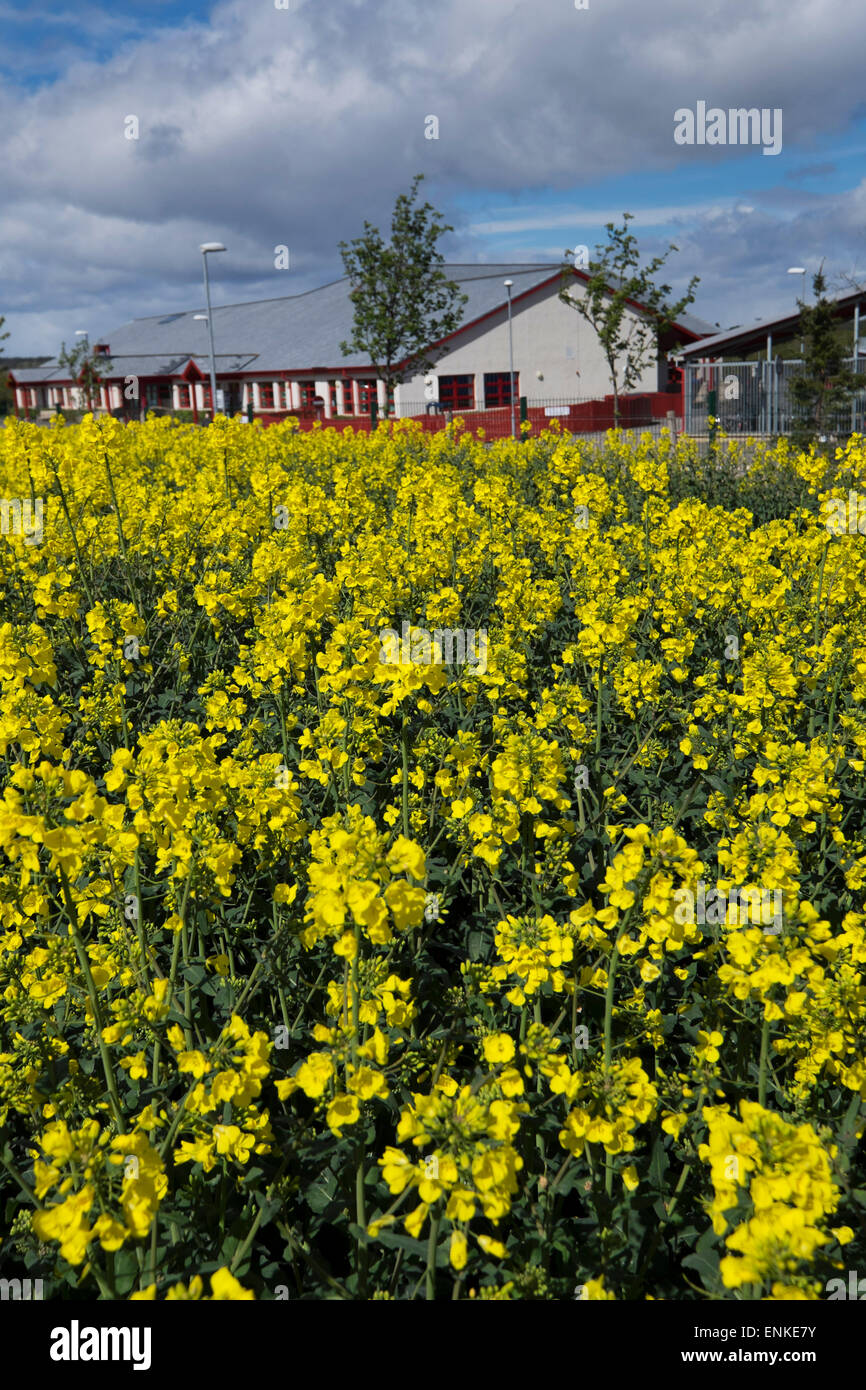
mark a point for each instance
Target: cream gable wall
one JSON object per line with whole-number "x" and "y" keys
{"x": 544, "y": 331}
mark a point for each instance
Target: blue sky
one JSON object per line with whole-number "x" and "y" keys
{"x": 262, "y": 127}
{"x": 42, "y": 40}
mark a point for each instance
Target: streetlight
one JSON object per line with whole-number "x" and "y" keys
{"x": 206, "y": 247}
{"x": 202, "y": 318}
{"x": 508, "y": 284}
{"x": 800, "y": 270}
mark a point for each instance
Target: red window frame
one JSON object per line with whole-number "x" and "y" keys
{"x": 497, "y": 389}
{"x": 457, "y": 392}
{"x": 367, "y": 393}
{"x": 350, "y": 383}
{"x": 308, "y": 395}
{"x": 158, "y": 395}
{"x": 266, "y": 395}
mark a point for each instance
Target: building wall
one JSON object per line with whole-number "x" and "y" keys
{"x": 549, "y": 337}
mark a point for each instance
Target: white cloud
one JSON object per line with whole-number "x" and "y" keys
{"x": 263, "y": 127}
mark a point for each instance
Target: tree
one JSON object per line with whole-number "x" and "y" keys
{"x": 5, "y": 389}
{"x": 826, "y": 385}
{"x": 86, "y": 367}
{"x": 402, "y": 298}
{"x": 629, "y": 341}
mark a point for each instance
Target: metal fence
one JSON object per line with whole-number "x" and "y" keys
{"x": 755, "y": 398}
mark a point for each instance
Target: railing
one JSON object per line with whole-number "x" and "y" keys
{"x": 585, "y": 415}
{"x": 755, "y": 398}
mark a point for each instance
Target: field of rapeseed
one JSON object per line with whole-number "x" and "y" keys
{"x": 334, "y": 969}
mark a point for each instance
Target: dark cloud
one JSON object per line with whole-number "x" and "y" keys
{"x": 264, "y": 127}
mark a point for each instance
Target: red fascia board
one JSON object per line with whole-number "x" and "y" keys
{"x": 491, "y": 313}
{"x": 635, "y": 304}
{"x": 302, "y": 374}
{"x": 543, "y": 284}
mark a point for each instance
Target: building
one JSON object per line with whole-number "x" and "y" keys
{"x": 282, "y": 356}
{"x": 741, "y": 378}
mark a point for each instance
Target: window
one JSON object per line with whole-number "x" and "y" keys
{"x": 183, "y": 399}
{"x": 158, "y": 395}
{"x": 348, "y": 397}
{"x": 367, "y": 392}
{"x": 266, "y": 395}
{"x": 457, "y": 392}
{"x": 332, "y": 389}
{"x": 497, "y": 389}
{"x": 308, "y": 395}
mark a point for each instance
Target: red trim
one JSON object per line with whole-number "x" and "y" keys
{"x": 517, "y": 298}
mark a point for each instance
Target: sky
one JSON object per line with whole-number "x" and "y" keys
{"x": 137, "y": 130}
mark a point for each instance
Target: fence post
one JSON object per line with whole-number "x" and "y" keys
{"x": 712, "y": 424}
{"x": 672, "y": 424}
{"x": 524, "y": 414}
{"x": 374, "y": 412}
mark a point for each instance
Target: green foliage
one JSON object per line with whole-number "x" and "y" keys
{"x": 826, "y": 384}
{"x": 404, "y": 303}
{"x": 629, "y": 342}
{"x": 86, "y": 367}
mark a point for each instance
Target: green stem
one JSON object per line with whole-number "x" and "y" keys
{"x": 762, "y": 1065}
{"x": 431, "y": 1257}
{"x": 404, "y": 751}
{"x": 598, "y": 709}
{"x": 139, "y": 916}
{"x": 84, "y": 582}
{"x": 361, "y": 1218}
{"x": 107, "y": 1068}
{"x": 820, "y": 587}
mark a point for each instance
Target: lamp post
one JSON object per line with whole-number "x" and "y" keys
{"x": 800, "y": 270}
{"x": 508, "y": 284}
{"x": 205, "y": 248}
{"x": 201, "y": 318}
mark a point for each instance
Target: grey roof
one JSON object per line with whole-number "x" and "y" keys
{"x": 749, "y": 335}
{"x": 693, "y": 324}
{"x": 300, "y": 333}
